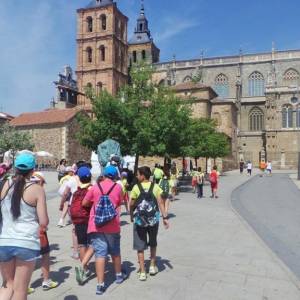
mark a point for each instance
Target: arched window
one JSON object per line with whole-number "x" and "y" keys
{"x": 88, "y": 87}
{"x": 89, "y": 54}
{"x": 221, "y": 86}
{"x": 187, "y": 79}
{"x": 287, "y": 116}
{"x": 99, "y": 87}
{"x": 256, "y": 119}
{"x": 291, "y": 77}
{"x": 143, "y": 54}
{"x": 89, "y": 23}
{"x": 103, "y": 22}
{"x": 256, "y": 84}
{"x": 141, "y": 27}
{"x": 134, "y": 56}
{"x": 102, "y": 53}
{"x": 298, "y": 117}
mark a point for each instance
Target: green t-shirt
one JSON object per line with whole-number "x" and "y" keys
{"x": 158, "y": 173}
{"x": 157, "y": 191}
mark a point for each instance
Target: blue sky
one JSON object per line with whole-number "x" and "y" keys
{"x": 38, "y": 37}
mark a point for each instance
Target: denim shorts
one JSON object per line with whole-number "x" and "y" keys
{"x": 8, "y": 253}
{"x": 106, "y": 243}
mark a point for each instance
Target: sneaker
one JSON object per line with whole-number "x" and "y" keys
{"x": 153, "y": 270}
{"x": 48, "y": 285}
{"x": 81, "y": 275}
{"x": 75, "y": 255}
{"x": 30, "y": 291}
{"x": 101, "y": 288}
{"x": 61, "y": 223}
{"x": 142, "y": 276}
{"x": 121, "y": 278}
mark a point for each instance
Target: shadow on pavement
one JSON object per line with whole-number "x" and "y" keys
{"x": 171, "y": 216}
{"x": 71, "y": 297}
{"x": 124, "y": 223}
{"x": 163, "y": 264}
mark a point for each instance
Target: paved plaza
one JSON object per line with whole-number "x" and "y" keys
{"x": 208, "y": 253}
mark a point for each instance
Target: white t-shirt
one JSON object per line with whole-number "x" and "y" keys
{"x": 249, "y": 166}
{"x": 269, "y": 166}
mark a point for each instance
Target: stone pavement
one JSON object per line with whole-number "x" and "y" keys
{"x": 208, "y": 253}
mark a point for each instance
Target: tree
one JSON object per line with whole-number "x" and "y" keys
{"x": 145, "y": 118}
{"x": 12, "y": 139}
{"x": 218, "y": 145}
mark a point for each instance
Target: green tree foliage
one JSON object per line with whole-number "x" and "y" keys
{"x": 12, "y": 139}
{"x": 218, "y": 145}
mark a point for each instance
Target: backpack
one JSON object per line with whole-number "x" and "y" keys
{"x": 165, "y": 186}
{"x": 146, "y": 208}
{"x": 79, "y": 214}
{"x": 104, "y": 210}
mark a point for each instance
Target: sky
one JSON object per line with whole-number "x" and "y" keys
{"x": 37, "y": 37}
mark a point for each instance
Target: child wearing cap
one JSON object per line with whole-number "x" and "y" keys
{"x": 39, "y": 178}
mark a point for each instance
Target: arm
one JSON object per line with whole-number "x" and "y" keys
{"x": 41, "y": 208}
{"x": 131, "y": 207}
{"x": 64, "y": 197}
{"x": 163, "y": 212}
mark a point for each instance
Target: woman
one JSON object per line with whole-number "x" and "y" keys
{"x": 214, "y": 178}
{"x": 174, "y": 180}
{"x": 23, "y": 211}
{"x": 61, "y": 169}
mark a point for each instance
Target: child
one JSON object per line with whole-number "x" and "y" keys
{"x": 194, "y": 179}
{"x": 214, "y": 177}
{"x": 125, "y": 186}
{"x": 200, "y": 183}
{"x": 165, "y": 184}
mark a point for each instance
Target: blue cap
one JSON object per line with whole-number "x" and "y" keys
{"x": 25, "y": 162}
{"x": 84, "y": 172}
{"x": 110, "y": 172}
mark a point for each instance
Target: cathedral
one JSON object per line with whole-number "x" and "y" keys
{"x": 254, "y": 98}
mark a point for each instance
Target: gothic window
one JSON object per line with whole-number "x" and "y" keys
{"x": 298, "y": 117}
{"x": 187, "y": 79}
{"x": 287, "y": 116}
{"x": 89, "y": 22}
{"x": 134, "y": 56}
{"x": 102, "y": 53}
{"x": 103, "y": 22}
{"x": 291, "y": 77}
{"x": 221, "y": 86}
{"x": 256, "y": 84}
{"x": 89, "y": 54}
{"x": 256, "y": 119}
{"x": 99, "y": 87}
{"x": 143, "y": 54}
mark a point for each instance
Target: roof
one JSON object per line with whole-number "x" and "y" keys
{"x": 5, "y": 116}
{"x": 190, "y": 86}
{"x": 99, "y": 3}
{"x": 53, "y": 116}
{"x": 140, "y": 38}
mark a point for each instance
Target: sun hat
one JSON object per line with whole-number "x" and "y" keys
{"x": 124, "y": 174}
{"x": 25, "y": 162}
{"x": 84, "y": 172}
{"x": 70, "y": 169}
{"x": 110, "y": 172}
{"x": 38, "y": 176}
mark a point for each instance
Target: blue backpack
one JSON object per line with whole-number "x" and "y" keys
{"x": 104, "y": 210}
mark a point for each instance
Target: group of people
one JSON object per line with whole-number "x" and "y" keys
{"x": 94, "y": 208}
{"x": 265, "y": 167}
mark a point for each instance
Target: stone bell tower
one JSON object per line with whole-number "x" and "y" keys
{"x": 102, "y": 50}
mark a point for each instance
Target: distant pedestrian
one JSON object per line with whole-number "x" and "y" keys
{"x": 242, "y": 166}
{"x": 214, "y": 178}
{"x": 23, "y": 213}
{"x": 61, "y": 169}
{"x": 200, "y": 183}
{"x": 158, "y": 174}
{"x": 269, "y": 168}
{"x": 146, "y": 206}
{"x": 194, "y": 174}
{"x": 174, "y": 180}
{"x": 249, "y": 168}
{"x": 166, "y": 184}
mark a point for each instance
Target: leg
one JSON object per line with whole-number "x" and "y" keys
{"x": 22, "y": 279}
{"x": 141, "y": 259}
{"x": 8, "y": 274}
{"x": 75, "y": 243}
{"x": 153, "y": 256}
{"x": 201, "y": 190}
{"x": 64, "y": 212}
{"x": 167, "y": 205}
{"x": 117, "y": 264}
{"x": 45, "y": 266}
{"x": 100, "y": 268}
{"x": 87, "y": 257}
{"x": 82, "y": 252}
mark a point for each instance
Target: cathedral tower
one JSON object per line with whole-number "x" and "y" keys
{"x": 141, "y": 45}
{"x": 102, "y": 50}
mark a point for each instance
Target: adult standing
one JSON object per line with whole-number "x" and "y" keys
{"x": 249, "y": 168}
{"x": 23, "y": 211}
{"x": 242, "y": 165}
{"x": 158, "y": 174}
{"x": 214, "y": 178}
{"x": 269, "y": 168}
{"x": 174, "y": 180}
{"x": 61, "y": 169}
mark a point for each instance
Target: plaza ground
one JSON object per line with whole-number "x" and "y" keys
{"x": 208, "y": 253}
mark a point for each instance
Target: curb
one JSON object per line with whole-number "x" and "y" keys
{"x": 248, "y": 226}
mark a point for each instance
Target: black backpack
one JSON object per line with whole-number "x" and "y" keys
{"x": 146, "y": 208}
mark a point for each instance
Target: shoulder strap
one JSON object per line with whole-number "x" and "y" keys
{"x": 151, "y": 188}
{"x": 111, "y": 189}
{"x": 29, "y": 185}
{"x": 100, "y": 188}
{"x": 140, "y": 187}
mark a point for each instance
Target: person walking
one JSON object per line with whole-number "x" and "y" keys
{"x": 242, "y": 166}
{"x": 249, "y": 168}
{"x": 200, "y": 183}
{"x": 166, "y": 185}
{"x": 146, "y": 206}
{"x": 214, "y": 178}
{"x": 158, "y": 174}
{"x": 269, "y": 168}
{"x": 23, "y": 212}
{"x": 104, "y": 226}
{"x": 47, "y": 284}
{"x": 61, "y": 169}
{"x": 174, "y": 180}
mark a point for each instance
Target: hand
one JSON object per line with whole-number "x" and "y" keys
{"x": 166, "y": 223}
{"x": 61, "y": 207}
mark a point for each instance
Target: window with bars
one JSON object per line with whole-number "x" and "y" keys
{"x": 89, "y": 54}
{"x": 221, "y": 86}
{"x": 291, "y": 77}
{"x": 256, "y": 119}
{"x": 256, "y": 84}
{"x": 103, "y": 22}
{"x": 287, "y": 116}
{"x": 102, "y": 53}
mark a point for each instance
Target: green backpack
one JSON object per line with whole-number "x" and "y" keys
{"x": 165, "y": 186}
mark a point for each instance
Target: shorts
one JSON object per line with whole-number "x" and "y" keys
{"x": 106, "y": 243}
{"x": 7, "y": 253}
{"x": 82, "y": 235}
{"x": 45, "y": 247}
{"x": 141, "y": 235}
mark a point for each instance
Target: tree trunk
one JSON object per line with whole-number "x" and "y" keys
{"x": 196, "y": 162}
{"x": 136, "y": 164}
{"x": 165, "y": 162}
{"x": 206, "y": 163}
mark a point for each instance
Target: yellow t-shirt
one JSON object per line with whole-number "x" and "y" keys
{"x": 157, "y": 191}
{"x": 124, "y": 185}
{"x": 158, "y": 173}
{"x": 65, "y": 179}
